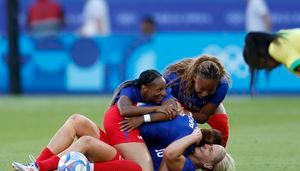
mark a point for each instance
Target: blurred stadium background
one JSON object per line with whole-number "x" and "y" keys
{"x": 265, "y": 129}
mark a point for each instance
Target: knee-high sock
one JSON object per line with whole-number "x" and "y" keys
{"x": 45, "y": 154}
{"x": 48, "y": 164}
{"x": 117, "y": 165}
{"x": 220, "y": 122}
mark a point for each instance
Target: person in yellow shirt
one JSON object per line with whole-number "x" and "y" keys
{"x": 267, "y": 51}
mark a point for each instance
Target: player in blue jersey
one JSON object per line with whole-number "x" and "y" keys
{"x": 150, "y": 87}
{"x": 206, "y": 157}
{"x": 200, "y": 84}
{"x": 159, "y": 135}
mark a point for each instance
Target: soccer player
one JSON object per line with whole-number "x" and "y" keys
{"x": 150, "y": 87}
{"x": 200, "y": 84}
{"x": 207, "y": 157}
{"x": 194, "y": 147}
{"x": 267, "y": 51}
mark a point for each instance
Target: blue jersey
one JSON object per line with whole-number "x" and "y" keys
{"x": 194, "y": 102}
{"x": 158, "y": 135}
{"x": 134, "y": 94}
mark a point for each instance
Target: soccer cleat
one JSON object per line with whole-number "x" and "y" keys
{"x": 26, "y": 167}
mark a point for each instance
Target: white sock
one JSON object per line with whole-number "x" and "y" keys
{"x": 91, "y": 166}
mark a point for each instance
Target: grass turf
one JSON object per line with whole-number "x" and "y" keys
{"x": 264, "y": 130}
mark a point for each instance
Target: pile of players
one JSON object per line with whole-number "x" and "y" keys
{"x": 151, "y": 124}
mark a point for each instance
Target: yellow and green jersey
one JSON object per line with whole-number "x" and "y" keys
{"x": 286, "y": 49}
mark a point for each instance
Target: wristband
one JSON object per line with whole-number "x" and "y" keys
{"x": 147, "y": 118}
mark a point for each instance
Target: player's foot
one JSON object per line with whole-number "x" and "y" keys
{"x": 25, "y": 167}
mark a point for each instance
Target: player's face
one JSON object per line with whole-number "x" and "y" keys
{"x": 205, "y": 87}
{"x": 209, "y": 153}
{"x": 155, "y": 91}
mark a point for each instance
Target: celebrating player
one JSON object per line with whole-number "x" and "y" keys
{"x": 150, "y": 87}
{"x": 200, "y": 84}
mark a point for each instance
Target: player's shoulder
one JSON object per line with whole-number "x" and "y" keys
{"x": 223, "y": 83}
{"x": 130, "y": 88}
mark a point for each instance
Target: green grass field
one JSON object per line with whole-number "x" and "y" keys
{"x": 265, "y": 131}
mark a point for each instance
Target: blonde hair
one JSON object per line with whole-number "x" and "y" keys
{"x": 206, "y": 67}
{"x": 223, "y": 163}
{"x": 226, "y": 164}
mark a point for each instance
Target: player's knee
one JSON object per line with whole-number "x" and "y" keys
{"x": 86, "y": 141}
{"x": 74, "y": 117}
{"x": 78, "y": 120}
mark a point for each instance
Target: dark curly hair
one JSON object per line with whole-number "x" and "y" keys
{"x": 145, "y": 77}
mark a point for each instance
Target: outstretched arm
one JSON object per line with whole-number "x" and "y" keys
{"x": 173, "y": 155}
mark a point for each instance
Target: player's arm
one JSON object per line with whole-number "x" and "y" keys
{"x": 131, "y": 123}
{"x": 206, "y": 111}
{"x": 163, "y": 166}
{"x": 173, "y": 155}
{"x": 211, "y": 106}
{"x": 127, "y": 109}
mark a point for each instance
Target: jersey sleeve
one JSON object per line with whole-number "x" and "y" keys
{"x": 168, "y": 95}
{"x": 220, "y": 93}
{"x": 129, "y": 92}
{"x": 169, "y": 77}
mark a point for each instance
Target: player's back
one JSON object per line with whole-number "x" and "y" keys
{"x": 158, "y": 135}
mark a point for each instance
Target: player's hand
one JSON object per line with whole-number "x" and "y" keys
{"x": 129, "y": 124}
{"x": 197, "y": 135}
{"x": 170, "y": 110}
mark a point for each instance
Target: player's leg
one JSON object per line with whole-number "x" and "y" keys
{"x": 219, "y": 121}
{"x": 137, "y": 152}
{"x": 130, "y": 144}
{"x": 94, "y": 149}
{"x": 76, "y": 126}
